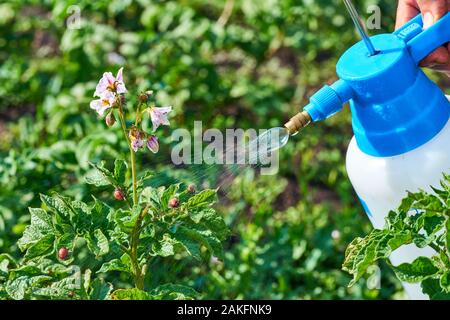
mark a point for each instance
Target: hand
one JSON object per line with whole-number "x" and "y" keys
{"x": 432, "y": 11}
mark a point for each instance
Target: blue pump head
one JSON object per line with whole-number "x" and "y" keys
{"x": 395, "y": 106}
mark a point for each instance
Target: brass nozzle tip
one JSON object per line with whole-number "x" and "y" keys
{"x": 299, "y": 121}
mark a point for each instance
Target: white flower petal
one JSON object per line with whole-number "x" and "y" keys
{"x": 109, "y": 78}
{"x": 164, "y": 110}
{"x": 119, "y": 76}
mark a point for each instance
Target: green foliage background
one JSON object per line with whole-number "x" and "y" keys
{"x": 252, "y": 69}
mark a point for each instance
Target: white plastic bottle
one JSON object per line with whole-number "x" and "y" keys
{"x": 400, "y": 120}
{"x": 382, "y": 182}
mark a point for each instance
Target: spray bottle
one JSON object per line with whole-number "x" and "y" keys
{"x": 400, "y": 120}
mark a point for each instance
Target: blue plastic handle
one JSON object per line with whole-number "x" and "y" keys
{"x": 426, "y": 41}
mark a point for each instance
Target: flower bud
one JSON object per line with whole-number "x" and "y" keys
{"x": 174, "y": 203}
{"x": 152, "y": 143}
{"x": 110, "y": 119}
{"x": 63, "y": 253}
{"x": 119, "y": 195}
{"x": 145, "y": 96}
{"x": 191, "y": 188}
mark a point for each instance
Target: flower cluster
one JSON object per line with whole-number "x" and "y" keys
{"x": 110, "y": 92}
{"x": 139, "y": 139}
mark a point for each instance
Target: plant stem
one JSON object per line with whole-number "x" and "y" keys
{"x": 134, "y": 242}
{"x": 435, "y": 247}
{"x": 132, "y": 155}
{"x": 133, "y": 173}
{"x": 134, "y": 238}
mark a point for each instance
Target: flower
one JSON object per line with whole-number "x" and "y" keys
{"x": 137, "y": 138}
{"x": 105, "y": 102}
{"x": 159, "y": 116}
{"x": 152, "y": 143}
{"x": 110, "y": 83}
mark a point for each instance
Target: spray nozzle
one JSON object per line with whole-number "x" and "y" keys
{"x": 323, "y": 104}
{"x": 296, "y": 123}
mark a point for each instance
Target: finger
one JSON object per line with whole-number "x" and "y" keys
{"x": 432, "y": 11}
{"x": 406, "y": 10}
{"x": 445, "y": 68}
{"x": 438, "y": 57}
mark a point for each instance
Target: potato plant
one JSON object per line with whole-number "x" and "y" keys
{"x": 147, "y": 222}
{"x": 251, "y": 69}
{"x": 423, "y": 219}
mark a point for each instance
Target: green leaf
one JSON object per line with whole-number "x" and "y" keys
{"x": 197, "y": 215}
{"x": 131, "y": 294}
{"x": 120, "y": 170}
{"x": 44, "y": 246}
{"x": 96, "y": 178}
{"x": 444, "y": 281}
{"x": 62, "y": 289}
{"x": 107, "y": 175}
{"x": 100, "y": 213}
{"x": 147, "y": 175}
{"x": 41, "y": 219}
{"x": 433, "y": 224}
{"x": 203, "y": 198}
{"x": 6, "y": 261}
{"x": 151, "y": 196}
{"x": 363, "y": 252}
{"x": 100, "y": 289}
{"x": 126, "y": 219}
{"x": 421, "y": 241}
{"x": 174, "y": 292}
{"x": 213, "y": 221}
{"x": 21, "y": 287}
{"x": 165, "y": 247}
{"x": 432, "y": 288}
{"x": 398, "y": 240}
{"x": 40, "y": 226}
{"x": 123, "y": 265}
{"x": 57, "y": 205}
{"x": 101, "y": 242}
{"x": 189, "y": 244}
{"x": 419, "y": 270}
{"x": 82, "y": 218}
{"x": 17, "y": 288}
{"x": 192, "y": 239}
{"x": 447, "y": 236}
{"x": 168, "y": 194}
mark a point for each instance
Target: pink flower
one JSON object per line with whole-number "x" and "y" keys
{"x": 137, "y": 144}
{"x": 110, "y": 83}
{"x": 152, "y": 143}
{"x": 137, "y": 138}
{"x": 105, "y": 102}
{"x": 159, "y": 116}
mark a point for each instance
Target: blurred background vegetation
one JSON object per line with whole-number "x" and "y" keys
{"x": 229, "y": 63}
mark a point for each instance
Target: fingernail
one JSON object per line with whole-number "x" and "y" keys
{"x": 428, "y": 20}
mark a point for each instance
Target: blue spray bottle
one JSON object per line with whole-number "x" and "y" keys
{"x": 400, "y": 120}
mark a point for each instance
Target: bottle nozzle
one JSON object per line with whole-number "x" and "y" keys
{"x": 299, "y": 121}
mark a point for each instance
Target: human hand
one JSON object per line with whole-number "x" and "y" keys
{"x": 432, "y": 11}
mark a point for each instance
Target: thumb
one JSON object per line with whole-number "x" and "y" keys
{"x": 432, "y": 10}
